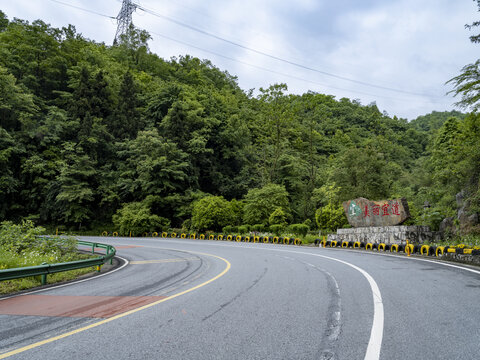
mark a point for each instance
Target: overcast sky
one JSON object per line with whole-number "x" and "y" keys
{"x": 397, "y": 53}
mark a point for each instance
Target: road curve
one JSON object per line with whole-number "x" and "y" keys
{"x": 198, "y": 299}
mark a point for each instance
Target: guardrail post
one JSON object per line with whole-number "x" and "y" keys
{"x": 108, "y": 252}
{"x": 44, "y": 276}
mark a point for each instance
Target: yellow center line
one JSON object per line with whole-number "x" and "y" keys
{"x": 98, "y": 323}
{"x": 140, "y": 262}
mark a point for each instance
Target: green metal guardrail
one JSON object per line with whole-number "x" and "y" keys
{"x": 45, "y": 269}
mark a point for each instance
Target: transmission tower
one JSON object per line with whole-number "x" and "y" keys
{"x": 124, "y": 19}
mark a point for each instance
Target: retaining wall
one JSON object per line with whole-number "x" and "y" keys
{"x": 386, "y": 234}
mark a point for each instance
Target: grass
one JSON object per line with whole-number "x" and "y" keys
{"x": 467, "y": 240}
{"x": 10, "y": 259}
{"x": 23, "y": 245}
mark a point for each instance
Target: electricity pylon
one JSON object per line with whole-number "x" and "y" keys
{"x": 124, "y": 19}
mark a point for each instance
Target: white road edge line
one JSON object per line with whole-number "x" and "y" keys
{"x": 439, "y": 262}
{"x": 376, "y": 334}
{"x": 126, "y": 262}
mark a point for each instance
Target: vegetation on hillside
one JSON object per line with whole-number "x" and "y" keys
{"x": 92, "y": 135}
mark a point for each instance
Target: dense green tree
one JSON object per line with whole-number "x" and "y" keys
{"x": 3, "y": 21}
{"x": 126, "y": 120}
{"x": 212, "y": 213}
{"x": 260, "y": 203}
{"x": 152, "y": 165}
{"x": 88, "y": 129}
{"x": 361, "y": 172}
{"x": 273, "y": 139}
{"x": 76, "y": 182}
{"x": 137, "y": 218}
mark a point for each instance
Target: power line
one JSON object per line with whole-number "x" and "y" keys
{"x": 83, "y": 9}
{"x": 274, "y": 71}
{"x": 242, "y": 62}
{"x": 180, "y": 23}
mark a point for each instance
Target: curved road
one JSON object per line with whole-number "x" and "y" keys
{"x": 199, "y": 299}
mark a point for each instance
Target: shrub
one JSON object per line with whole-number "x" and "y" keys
{"x": 136, "y": 217}
{"x": 212, "y": 213}
{"x": 277, "y": 229}
{"x": 229, "y": 229}
{"x": 331, "y": 217}
{"x": 278, "y": 217}
{"x": 25, "y": 238}
{"x": 243, "y": 229}
{"x": 260, "y": 202}
{"x": 309, "y": 239}
{"x": 186, "y": 225}
{"x": 299, "y": 229}
{"x": 19, "y": 237}
{"x": 258, "y": 227}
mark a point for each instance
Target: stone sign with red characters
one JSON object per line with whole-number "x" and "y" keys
{"x": 362, "y": 212}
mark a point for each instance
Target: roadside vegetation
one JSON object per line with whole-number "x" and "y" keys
{"x": 100, "y": 138}
{"x": 23, "y": 245}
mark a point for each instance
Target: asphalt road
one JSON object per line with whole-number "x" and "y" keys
{"x": 198, "y": 299}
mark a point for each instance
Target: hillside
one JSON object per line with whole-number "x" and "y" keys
{"x": 88, "y": 131}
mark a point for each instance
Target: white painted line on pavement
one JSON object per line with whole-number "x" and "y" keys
{"x": 439, "y": 262}
{"x": 376, "y": 334}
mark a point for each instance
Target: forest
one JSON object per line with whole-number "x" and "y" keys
{"x": 94, "y": 136}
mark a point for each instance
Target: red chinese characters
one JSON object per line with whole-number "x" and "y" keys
{"x": 385, "y": 209}
{"x": 366, "y": 212}
{"x": 395, "y": 209}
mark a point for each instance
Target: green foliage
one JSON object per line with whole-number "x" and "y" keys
{"x": 277, "y": 229}
{"x": 212, "y": 213}
{"x": 261, "y": 202}
{"x": 466, "y": 86}
{"x": 229, "y": 229}
{"x": 362, "y": 172}
{"x": 299, "y": 229}
{"x": 431, "y": 217}
{"x": 243, "y": 229}
{"x": 277, "y": 217}
{"x": 331, "y": 217}
{"x": 137, "y": 218}
{"x": 258, "y": 227}
{"x": 86, "y": 128}
{"x": 21, "y": 245}
{"x": 309, "y": 239}
{"x": 19, "y": 237}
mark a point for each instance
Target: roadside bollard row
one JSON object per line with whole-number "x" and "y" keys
{"x": 427, "y": 250}
{"x": 222, "y": 237}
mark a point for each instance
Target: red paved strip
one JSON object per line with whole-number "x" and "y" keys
{"x": 74, "y": 306}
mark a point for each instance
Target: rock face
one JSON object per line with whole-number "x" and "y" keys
{"x": 466, "y": 220}
{"x": 447, "y": 226}
{"x": 362, "y": 212}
